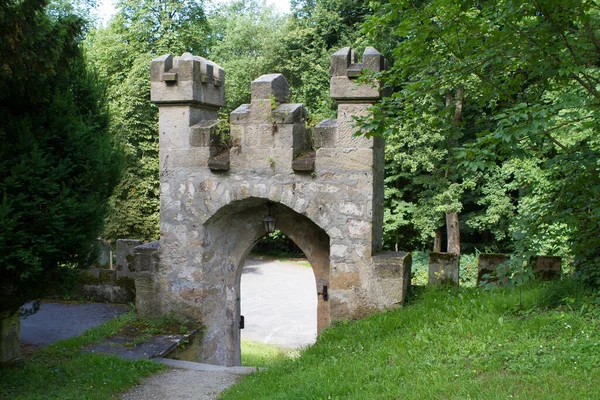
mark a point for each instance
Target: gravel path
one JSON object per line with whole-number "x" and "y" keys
{"x": 182, "y": 384}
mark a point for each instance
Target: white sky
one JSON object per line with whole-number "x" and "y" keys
{"x": 106, "y": 8}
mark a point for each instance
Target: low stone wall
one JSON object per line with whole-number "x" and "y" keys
{"x": 105, "y": 287}
{"x": 544, "y": 268}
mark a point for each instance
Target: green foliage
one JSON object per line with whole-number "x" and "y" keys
{"x": 277, "y": 244}
{"x": 244, "y": 40}
{"x": 58, "y": 164}
{"x": 121, "y": 53}
{"x": 316, "y": 29}
{"x": 527, "y": 142}
{"x": 465, "y": 343}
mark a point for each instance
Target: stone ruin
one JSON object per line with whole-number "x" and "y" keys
{"x": 326, "y": 192}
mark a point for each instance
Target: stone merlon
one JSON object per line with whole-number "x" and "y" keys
{"x": 345, "y": 68}
{"x": 186, "y": 79}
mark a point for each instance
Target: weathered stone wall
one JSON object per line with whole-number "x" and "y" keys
{"x": 327, "y": 197}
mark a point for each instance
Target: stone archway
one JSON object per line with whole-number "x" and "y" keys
{"x": 236, "y": 228}
{"x": 327, "y": 188}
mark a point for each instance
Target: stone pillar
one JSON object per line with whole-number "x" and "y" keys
{"x": 145, "y": 263}
{"x": 188, "y": 91}
{"x": 361, "y": 281}
{"x": 443, "y": 268}
{"x": 124, "y": 265}
{"x": 10, "y": 338}
{"x": 487, "y": 265}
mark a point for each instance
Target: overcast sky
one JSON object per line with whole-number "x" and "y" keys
{"x": 106, "y": 8}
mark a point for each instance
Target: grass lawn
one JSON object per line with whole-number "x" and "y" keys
{"x": 539, "y": 343}
{"x": 61, "y": 371}
{"x": 257, "y": 354}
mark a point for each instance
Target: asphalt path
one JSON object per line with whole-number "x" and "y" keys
{"x": 62, "y": 320}
{"x": 279, "y": 302}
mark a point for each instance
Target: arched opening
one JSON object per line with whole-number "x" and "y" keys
{"x": 230, "y": 234}
{"x": 278, "y": 299}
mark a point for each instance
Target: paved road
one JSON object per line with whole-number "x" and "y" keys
{"x": 57, "y": 321}
{"x": 279, "y": 303}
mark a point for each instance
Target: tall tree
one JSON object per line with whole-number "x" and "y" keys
{"x": 139, "y": 32}
{"x": 530, "y": 71}
{"x": 58, "y": 164}
{"x": 245, "y": 40}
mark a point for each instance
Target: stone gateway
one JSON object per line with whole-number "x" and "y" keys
{"x": 325, "y": 191}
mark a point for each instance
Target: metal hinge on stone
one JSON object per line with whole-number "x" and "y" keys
{"x": 241, "y": 322}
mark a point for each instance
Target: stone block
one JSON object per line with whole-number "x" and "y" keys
{"x": 147, "y": 301}
{"x": 345, "y": 69}
{"x": 289, "y": 113}
{"x": 547, "y": 268}
{"x": 305, "y": 162}
{"x": 393, "y": 274}
{"x": 194, "y": 157}
{"x": 260, "y": 112}
{"x": 340, "y": 60}
{"x": 271, "y": 86}
{"x": 125, "y": 255}
{"x": 443, "y": 268}
{"x": 186, "y": 79}
{"x": 487, "y": 265}
{"x": 204, "y": 134}
{"x": 344, "y": 88}
{"x": 107, "y": 293}
{"x": 236, "y": 134}
{"x": 326, "y": 133}
{"x": 334, "y": 159}
{"x": 146, "y": 257}
{"x": 284, "y": 136}
{"x": 103, "y": 252}
{"x": 373, "y": 60}
{"x": 219, "y": 162}
{"x": 240, "y": 115}
{"x": 347, "y": 129}
{"x": 10, "y": 338}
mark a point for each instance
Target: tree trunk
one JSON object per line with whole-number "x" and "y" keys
{"x": 452, "y": 226}
{"x": 437, "y": 241}
{"x": 453, "y": 229}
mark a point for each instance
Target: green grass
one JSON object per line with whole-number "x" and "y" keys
{"x": 61, "y": 371}
{"x": 542, "y": 343}
{"x": 257, "y": 354}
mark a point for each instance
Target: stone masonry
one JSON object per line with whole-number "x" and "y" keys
{"x": 326, "y": 193}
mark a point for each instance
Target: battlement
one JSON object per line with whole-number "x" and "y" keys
{"x": 187, "y": 79}
{"x": 345, "y": 68}
{"x": 268, "y": 127}
{"x": 215, "y": 195}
